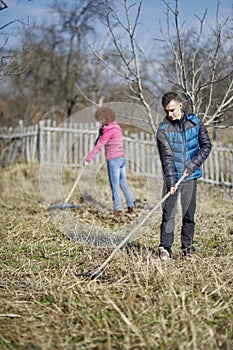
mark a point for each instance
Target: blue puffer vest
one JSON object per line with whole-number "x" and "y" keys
{"x": 182, "y": 136}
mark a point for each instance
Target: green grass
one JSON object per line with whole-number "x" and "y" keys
{"x": 140, "y": 304}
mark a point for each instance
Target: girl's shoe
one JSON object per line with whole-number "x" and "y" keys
{"x": 117, "y": 213}
{"x": 131, "y": 210}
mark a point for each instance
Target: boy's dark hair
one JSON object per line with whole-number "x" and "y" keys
{"x": 106, "y": 114}
{"x": 169, "y": 96}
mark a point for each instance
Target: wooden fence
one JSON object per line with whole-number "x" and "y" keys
{"x": 19, "y": 144}
{"x": 68, "y": 144}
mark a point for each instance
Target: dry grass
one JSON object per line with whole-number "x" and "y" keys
{"x": 139, "y": 304}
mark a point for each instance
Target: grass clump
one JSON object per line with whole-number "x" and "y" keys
{"x": 140, "y": 303}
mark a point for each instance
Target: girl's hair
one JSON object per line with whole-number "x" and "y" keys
{"x": 105, "y": 114}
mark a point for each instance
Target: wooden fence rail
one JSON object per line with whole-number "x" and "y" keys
{"x": 67, "y": 145}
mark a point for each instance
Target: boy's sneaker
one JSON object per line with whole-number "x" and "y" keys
{"x": 188, "y": 256}
{"x": 163, "y": 254}
{"x": 187, "y": 253}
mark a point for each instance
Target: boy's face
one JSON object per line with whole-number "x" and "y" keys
{"x": 173, "y": 110}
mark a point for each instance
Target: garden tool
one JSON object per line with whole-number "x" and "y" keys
{"x": 98, "y": 271}
{"x": 66, "y": 205}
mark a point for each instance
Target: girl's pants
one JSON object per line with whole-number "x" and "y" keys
{"x": 117, "y": 179}
{"x": 187, "y": 192}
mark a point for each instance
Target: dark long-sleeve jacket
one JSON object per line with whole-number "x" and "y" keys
{"x": 182, "y": 144}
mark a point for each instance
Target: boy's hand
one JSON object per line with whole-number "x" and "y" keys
{"x": 173, "y": 189}
{"x": 187, "y": 172}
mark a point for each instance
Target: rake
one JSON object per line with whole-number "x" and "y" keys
{"x": 65, "y": 204}
{"x": 98, "y": 271}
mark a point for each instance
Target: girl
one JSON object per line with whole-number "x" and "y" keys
{"x": 110, "y": 136}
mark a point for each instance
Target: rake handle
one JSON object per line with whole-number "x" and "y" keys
{"x": 74, "y": 186}
{"x": 96, "y": 273}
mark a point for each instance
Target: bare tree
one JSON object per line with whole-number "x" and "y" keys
{"x": 56, "y": 60}
{"x": 10, "y": 63}
{"x": 122, "y": 34}
{"x": 200, "y": 69}
{"x": 2, "y": 5}
{"x": 67, "y": 69}
{"x": 72, "y": 60}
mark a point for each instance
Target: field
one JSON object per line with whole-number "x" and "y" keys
{"x": 137, "y": 303}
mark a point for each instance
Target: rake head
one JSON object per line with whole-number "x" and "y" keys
{"x": 65, "y": 205}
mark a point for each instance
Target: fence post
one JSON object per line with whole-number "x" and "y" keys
{"x": 40, "y": 143}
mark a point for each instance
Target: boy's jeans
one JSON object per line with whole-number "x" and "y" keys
{"x": 117, "y": 179}
{"x": 187, "y": 191}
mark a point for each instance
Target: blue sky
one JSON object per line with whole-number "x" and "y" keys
{"x": 152, "y": 12}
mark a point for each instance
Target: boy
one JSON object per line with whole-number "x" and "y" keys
{"x": 184, "y": 145}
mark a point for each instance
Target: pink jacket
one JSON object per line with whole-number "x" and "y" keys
{"x": 111, "y": 138}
